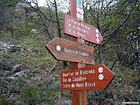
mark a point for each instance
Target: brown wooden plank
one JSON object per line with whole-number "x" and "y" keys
{"x": 67, "y": 50}
{"x": 76, "y": 95}
{"x": 87, "y": 78}
{"x": 80, "y": 29}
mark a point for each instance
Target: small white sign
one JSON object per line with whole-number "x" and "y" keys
{"x": 100, "y": 70}
{"x": 101, "y": 77}
{"x": 79, "y": 8}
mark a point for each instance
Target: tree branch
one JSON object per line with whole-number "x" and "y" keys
{"x": 112, "y": 33}
{"x": 119, "y": 56}
{"x": 57, "y": 19}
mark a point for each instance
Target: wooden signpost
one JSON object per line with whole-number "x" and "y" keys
{"x": 67, "y": 50}
{"x": 78, "y": 97}
{"x": 79, "y": 29}
{"x": 87, "y": 78}
{"x": 80, "y": 78}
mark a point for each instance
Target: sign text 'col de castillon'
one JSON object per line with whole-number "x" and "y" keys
{"x": 87, "y": 78}
{"x": 95, "y": 77}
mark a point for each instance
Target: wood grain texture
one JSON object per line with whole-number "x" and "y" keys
{"x": 71, "y": 51}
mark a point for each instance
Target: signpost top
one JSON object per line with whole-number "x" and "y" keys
{"x": 79, "y": 29}
{"x": 79, "y": 9}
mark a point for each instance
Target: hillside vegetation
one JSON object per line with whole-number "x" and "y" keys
{"x": 29, "y": 75}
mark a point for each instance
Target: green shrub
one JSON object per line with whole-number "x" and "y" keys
{"x": 30, "y": 95}
{"x": 4, "y": 101}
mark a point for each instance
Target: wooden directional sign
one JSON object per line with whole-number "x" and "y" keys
{"x": 76, "y": 28}
{"x": 67, "y": 50}
{"x": 87, "y": 78}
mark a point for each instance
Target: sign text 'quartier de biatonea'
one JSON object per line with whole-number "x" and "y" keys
{"x": 87, "y": 78}
{"x": 71, "y": 51}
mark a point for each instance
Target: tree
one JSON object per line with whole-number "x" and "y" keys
{"x": 115, "y": 19}
{"x": 6, "y": 12}
{"x": 50, "y": 18}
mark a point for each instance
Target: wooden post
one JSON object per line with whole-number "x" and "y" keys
{"x": 78, "y": 97}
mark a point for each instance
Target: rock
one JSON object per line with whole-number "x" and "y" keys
{"x": 10, "y": 47}
{"x": 4, "y": 46}
{"x": 20, "y": 74}
{"x": 13, "y": 48}
{"x": 17, "y": 68}
{"x": 6, "y": 73}
{"x": 37, "y": 78}
{"x": 4, "y": 65}
{"x": 3, "y": 49}
{"x": 62, "y": 102}
{"x": 35, "y": 50}
{"x": 35, "y": 31}
{"x": 20, "y": 71}
{"x": 12, "y": 77}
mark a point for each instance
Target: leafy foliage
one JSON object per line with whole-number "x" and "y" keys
{"x": 7, "y": 4}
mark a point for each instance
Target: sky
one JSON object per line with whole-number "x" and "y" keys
{"x": 42, "y": 2}
{"x": 63, "y": 5}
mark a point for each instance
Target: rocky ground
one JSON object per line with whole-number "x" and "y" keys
{"x": 24, "y": 83}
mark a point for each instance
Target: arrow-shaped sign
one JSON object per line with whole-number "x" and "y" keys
{"x": 76, "y": 28}
{"x": 87, "y": 78}
{"x": 67, "y": 50}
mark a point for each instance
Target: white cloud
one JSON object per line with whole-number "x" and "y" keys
{"x": 42, "y": 2}
{"x": 63, "y": 5}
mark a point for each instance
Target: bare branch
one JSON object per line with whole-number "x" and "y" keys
{"x": 124, "y": 21}
{"x": 57, "y": 19}
{"x": 120, "y": 56}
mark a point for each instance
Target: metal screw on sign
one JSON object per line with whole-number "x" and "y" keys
{"x": 101, "y": 76}
{"x": 100, "y": 70}
{"x": 58, "y": 48}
